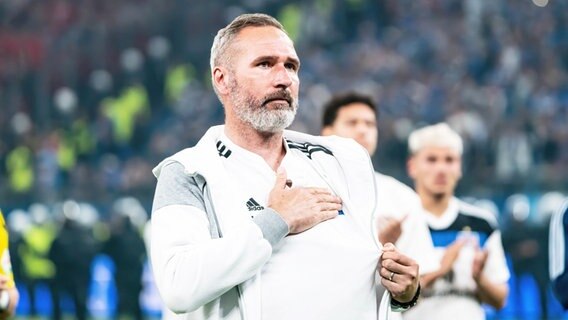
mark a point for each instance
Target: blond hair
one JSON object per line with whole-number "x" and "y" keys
{"x": 438, "y": 135}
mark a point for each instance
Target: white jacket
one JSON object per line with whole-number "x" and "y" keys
{"x": 196, "y": 272}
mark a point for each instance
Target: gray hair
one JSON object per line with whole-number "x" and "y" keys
{"x": 226, "y": 35}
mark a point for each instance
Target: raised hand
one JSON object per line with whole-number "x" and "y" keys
{"x": 390, "y": 229}
{"x": 450, "y": 255}
{"x": 479, "y": 260}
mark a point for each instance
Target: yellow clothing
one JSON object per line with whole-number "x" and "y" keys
{"x": 5, "y": 263}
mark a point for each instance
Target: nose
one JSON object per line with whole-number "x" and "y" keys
{"x": 441, "y": 167}
{"x": 361, "y": 129}
{"x": 282, "y": 77}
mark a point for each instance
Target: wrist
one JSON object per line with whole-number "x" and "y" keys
{"x": 402, "y": 306}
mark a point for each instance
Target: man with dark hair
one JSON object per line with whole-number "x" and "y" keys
{"x": 256, "y": 222}
{"x": 558, "y": 242}
{"x": 353, "y": 115}
{"x": 398, "y": 212}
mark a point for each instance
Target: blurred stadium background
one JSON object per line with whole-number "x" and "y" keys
{"x": 94, "y": 93}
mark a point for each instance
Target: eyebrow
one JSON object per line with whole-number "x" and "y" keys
{"x": 273, "y": 58}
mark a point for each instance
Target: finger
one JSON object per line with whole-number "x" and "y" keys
{"x": 399, "y": 258}
{"x": 313, "y": 190}
{"x": 392, "y": 266}
{"x": 481, "y": 255}
{"x": 327, "y": 215}
{"x": 386, "y": 273}
{"x": 394, "y": 288}
{"x": 459, "y": 242}
{"x": 329, "y": 206}
{"x": 281, "y": 178}
{"x": 328, "y": 198}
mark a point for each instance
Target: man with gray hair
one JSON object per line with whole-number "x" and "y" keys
{"x": 256, "y": 222}
{"x": 479, "y": 272}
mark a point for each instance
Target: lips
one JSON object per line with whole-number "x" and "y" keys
{"x": 278, "y": 96}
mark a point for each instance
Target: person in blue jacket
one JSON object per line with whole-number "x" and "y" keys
{"x": 558, "y": 258}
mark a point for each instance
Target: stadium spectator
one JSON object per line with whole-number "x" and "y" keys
{"x": 38, "y": 268}
{"x": 9, "y": 294}
{"x": 526, "y": 243}
{"x": 127, "y": 250}
{"x": 72, "y": 252}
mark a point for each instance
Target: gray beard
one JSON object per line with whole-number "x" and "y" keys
{"x": 258, "y": 116}
{"x": 265, "y": 120}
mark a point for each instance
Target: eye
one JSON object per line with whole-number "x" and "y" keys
{"x": 264, "y": 64}
{"x": 291, "y": 66}
{"x": 352, "y": 123}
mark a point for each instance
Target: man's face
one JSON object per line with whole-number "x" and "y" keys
{"x": 357, "y": 121}
{"x": 263, "y": 82}
{"x": 435, "y": 170}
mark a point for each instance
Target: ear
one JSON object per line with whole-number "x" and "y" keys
{"x": 410, "y": 169}
{"x": 327, "y": 131}
{"x": 220, "y": 80}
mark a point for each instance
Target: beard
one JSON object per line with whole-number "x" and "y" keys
{"x": 258, "y": 115}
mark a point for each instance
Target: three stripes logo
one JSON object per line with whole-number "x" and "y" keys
{"x": 308, "y": 148}
{"x": 223, "y": 150}
{"x": 252, "y": 205}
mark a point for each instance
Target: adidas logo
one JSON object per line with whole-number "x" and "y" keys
{"x": 223, "y": 150}
{"x": 252, "y": 205}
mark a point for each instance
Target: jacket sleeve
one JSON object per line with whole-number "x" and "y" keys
{"x": 558, "y": 242}
{"x": 191, "y": 268}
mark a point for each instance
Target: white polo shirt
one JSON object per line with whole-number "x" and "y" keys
{"x": 453, "y": 296}
{"x": 332, "y": 263}
{"x": 397, "y": 200}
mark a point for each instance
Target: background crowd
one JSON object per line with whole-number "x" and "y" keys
{"x": 94, "y": 93}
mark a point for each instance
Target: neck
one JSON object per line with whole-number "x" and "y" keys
{"x": 268, "y": 145}
{"x": 436, "y": 204}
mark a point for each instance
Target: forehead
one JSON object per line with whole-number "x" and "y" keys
{"x": 356, "y": 110}
{"x": 253, "y": 42}
{"x": 440, "y": 151}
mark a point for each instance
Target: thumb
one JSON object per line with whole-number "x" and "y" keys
{"x": 281, "y": 177}
{"x": 389, "y": 247}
